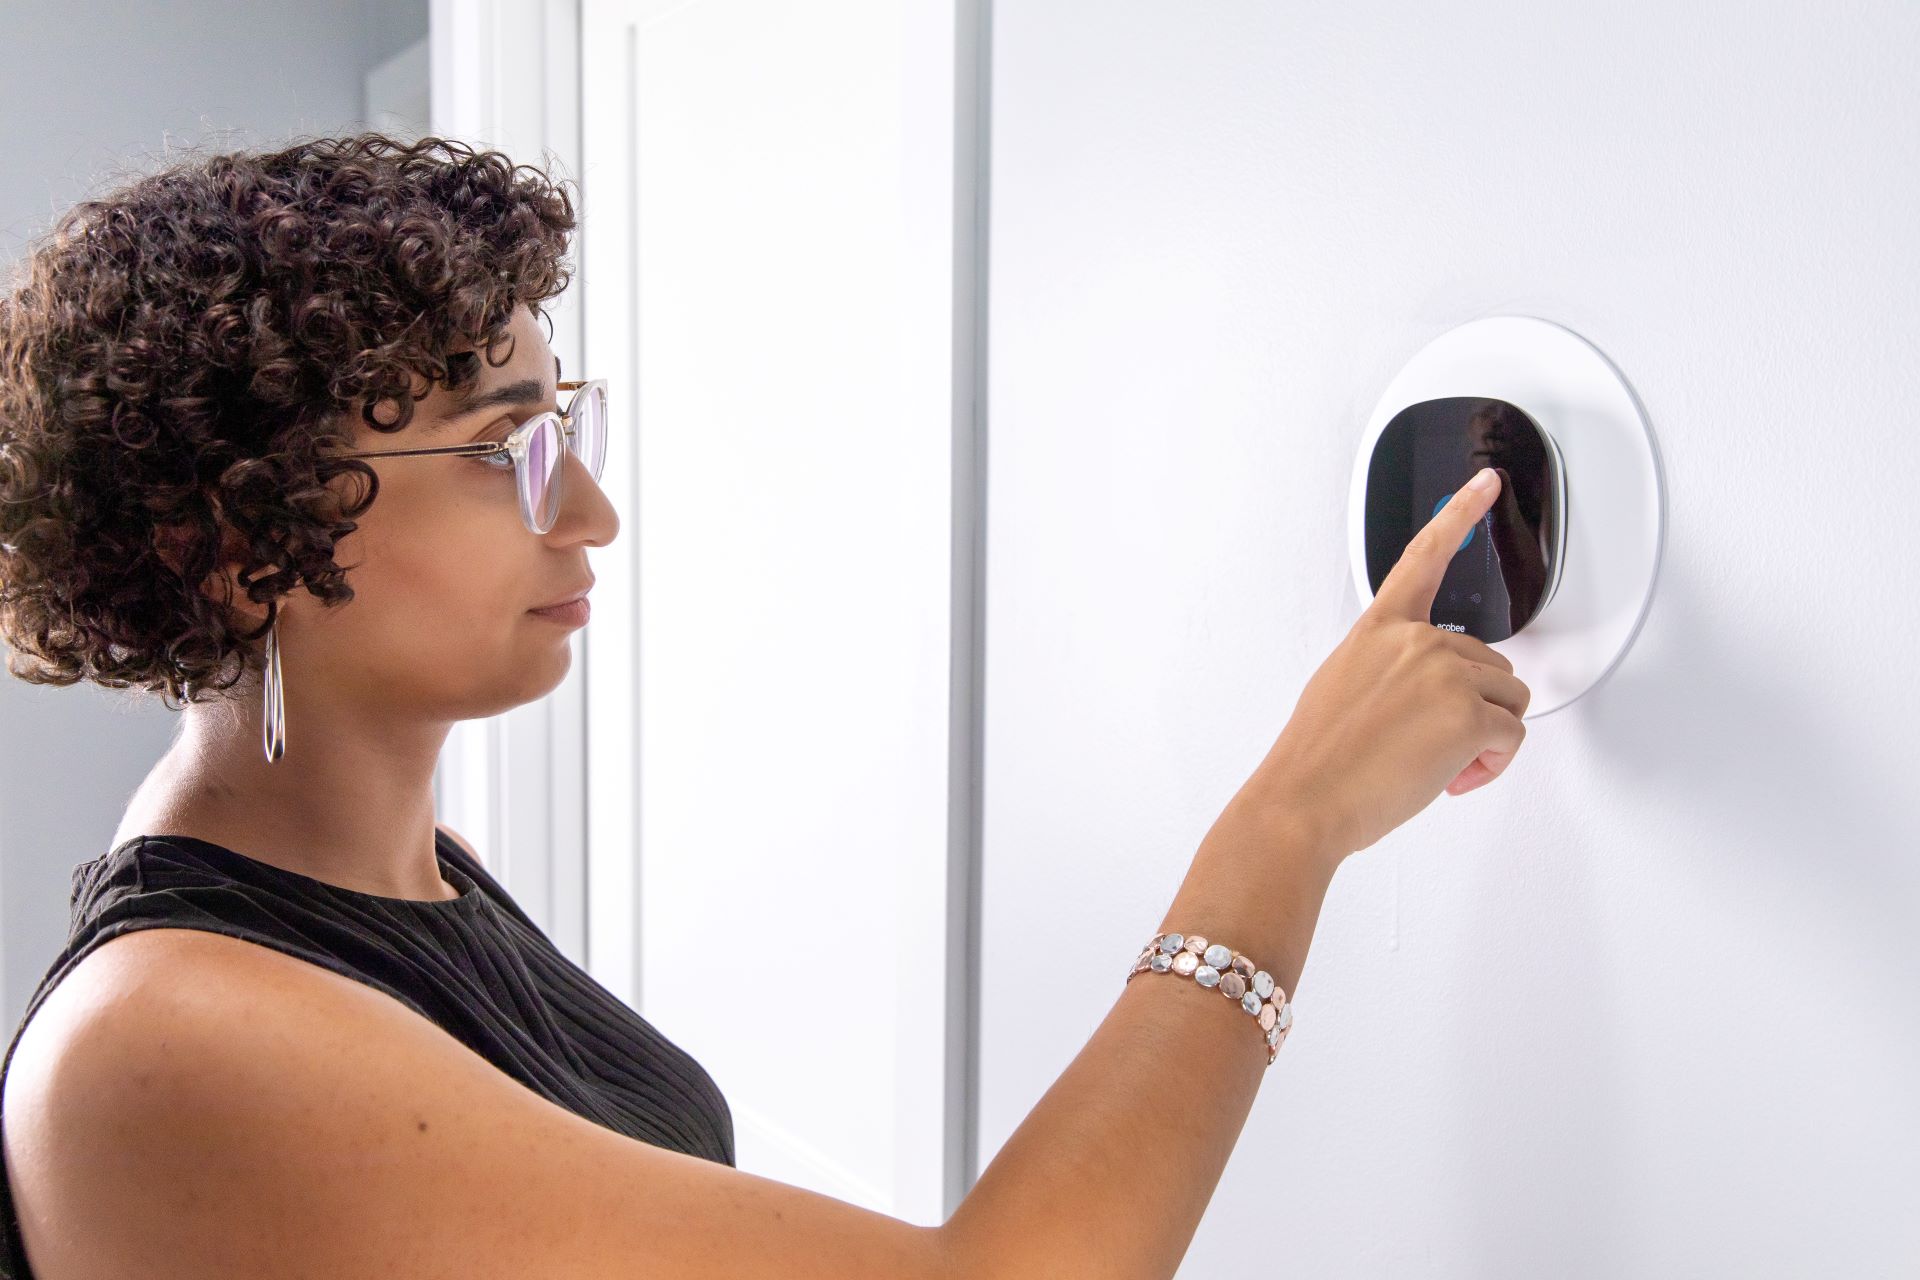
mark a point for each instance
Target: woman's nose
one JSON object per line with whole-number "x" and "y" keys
{"x": 586, "y": 514}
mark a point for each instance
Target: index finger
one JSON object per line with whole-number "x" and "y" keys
{"x": 1412, "y": 583}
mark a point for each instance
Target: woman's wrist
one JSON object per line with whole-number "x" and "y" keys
{"x": 1296, "y": 820}
{"x": 1257, "y": 883}
{"x": 1280, "y": 833}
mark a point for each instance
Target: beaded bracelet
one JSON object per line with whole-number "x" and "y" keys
{"x": 1232, "y": 974}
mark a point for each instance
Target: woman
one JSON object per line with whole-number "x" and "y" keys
{"x": 297, "y": 1028}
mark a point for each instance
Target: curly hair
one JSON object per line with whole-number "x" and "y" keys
{"x": 175, "y": 356}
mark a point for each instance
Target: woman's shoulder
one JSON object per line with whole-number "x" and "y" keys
{"x": 450, "y": 1157}
{"x": 134, "y": 982}
{"x": 124, "y": 1063}
{"x": 133, "y": 965}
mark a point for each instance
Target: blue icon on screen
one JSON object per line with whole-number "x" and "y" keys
{"x": 1436, "y": 511}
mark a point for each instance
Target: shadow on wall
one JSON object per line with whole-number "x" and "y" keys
{"x": 1765, "y": 771}
{"x": 1699, "y": 727}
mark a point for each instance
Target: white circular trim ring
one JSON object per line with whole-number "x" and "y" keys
{"x": 1616, "y": 496}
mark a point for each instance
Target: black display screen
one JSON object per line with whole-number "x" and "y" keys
{"x": 1498, "y": 580}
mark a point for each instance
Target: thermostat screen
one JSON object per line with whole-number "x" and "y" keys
{"x": 1422, "y": 458}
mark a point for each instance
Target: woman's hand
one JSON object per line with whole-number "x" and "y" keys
{"x": 1401, "y": 709}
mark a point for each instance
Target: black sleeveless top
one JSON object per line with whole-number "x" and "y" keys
{"x": 476, "y": 965}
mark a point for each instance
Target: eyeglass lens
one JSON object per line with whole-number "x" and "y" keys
{"x": 541, "y": 470}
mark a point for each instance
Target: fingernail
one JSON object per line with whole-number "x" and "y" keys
{"x": 1483, "y": 479}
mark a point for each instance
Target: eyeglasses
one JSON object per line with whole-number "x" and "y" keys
{"x": 537, "y": 449}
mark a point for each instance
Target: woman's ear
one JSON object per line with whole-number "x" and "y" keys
{"x": 223, "y": 584}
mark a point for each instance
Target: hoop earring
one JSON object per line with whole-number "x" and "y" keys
{"x": 273, "y": 731}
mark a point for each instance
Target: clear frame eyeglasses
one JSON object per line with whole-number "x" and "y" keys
{"x": 537, "y": 450}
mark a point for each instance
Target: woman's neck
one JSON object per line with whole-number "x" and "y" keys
{"x": 348, "y": 804}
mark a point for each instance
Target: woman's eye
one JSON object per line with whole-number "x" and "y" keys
{"x": 499, "y": 459}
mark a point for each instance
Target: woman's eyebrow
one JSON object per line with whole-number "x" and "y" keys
{"x": 527, "y": 393}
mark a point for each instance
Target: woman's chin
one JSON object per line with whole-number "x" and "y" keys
{"x": 538, "y": 676}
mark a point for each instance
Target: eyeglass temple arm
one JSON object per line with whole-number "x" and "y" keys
{"x": 478, "y": 448}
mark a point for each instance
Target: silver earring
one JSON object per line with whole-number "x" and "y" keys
{"x": 273, "y": 734}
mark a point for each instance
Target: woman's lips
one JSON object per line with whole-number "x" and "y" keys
{"x": 573, "y": 613}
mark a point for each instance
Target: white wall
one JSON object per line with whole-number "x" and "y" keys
{"x": 90, "y": 91}
{"x": 1645, "y": 1006}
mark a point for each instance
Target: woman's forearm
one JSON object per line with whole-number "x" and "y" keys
{"x": 1109, "y": 1174}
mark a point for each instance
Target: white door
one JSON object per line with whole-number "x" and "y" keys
{"x": 768, "y": 274}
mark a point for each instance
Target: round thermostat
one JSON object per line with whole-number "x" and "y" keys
{"x": 1559, "y": 574}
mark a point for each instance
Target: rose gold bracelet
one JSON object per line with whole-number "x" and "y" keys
{"x": 1229, "y": 973}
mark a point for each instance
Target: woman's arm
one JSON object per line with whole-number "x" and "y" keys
{"x": 1110, "y": 1173}
{"x": 186, "y": 1104}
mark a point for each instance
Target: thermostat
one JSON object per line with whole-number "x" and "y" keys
{"x": 1559, "y": 574}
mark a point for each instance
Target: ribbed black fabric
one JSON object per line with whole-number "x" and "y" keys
{"x": 476, "y": 965}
